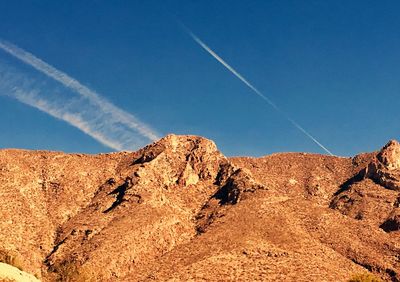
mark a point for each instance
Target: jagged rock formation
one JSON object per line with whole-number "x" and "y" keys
{"x": 385, "y": 169}
{"x": 178, "y": 209}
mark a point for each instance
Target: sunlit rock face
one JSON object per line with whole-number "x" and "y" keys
{"x": 385, "y": 169}
{"x": 390, "y": 155}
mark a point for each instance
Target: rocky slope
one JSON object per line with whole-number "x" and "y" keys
{"x": 179, "y": 210}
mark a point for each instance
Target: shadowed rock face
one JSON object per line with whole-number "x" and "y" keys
{"x": 178, "y": 209}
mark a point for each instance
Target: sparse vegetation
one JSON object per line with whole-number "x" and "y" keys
{"x": 364, "y": 277}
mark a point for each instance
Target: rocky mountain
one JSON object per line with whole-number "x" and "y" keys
{"x": 180, "y": 210}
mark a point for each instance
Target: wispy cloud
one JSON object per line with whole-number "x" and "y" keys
{"x": 254, "y": 89}
{"x": 82, "y": 107}
{"x": 31, "y": 99}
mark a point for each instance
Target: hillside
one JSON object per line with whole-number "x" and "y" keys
{"x": 180, "y": 210}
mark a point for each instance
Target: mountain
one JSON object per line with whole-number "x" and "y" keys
{"x": 180, "y": 210}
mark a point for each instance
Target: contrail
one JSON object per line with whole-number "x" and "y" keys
{"x": 66, "y": 105}
{"x": 76, "y": 120}
{"x": 254, "y": 89}
{"x": 117, "y": 114}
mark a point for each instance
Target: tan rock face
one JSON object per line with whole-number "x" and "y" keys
{"x": 386, "y": 167}
{"x": 389, "y": 156}
{"x": 180, "y": 210}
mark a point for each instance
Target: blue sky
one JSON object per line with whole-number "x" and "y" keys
{"x": 333, "y": 66}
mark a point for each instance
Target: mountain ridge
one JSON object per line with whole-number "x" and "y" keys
{"x": 179, "y": 209}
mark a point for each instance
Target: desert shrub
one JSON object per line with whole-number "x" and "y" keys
{"x": 364, "y": 277}
{"x": 10, "y": 258}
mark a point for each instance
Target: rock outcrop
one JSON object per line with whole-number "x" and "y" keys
{"x": 385, "y": 169}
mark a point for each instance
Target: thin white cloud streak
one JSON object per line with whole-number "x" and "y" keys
{"x": 117, "y": 114}
{"x": 254, "y": 89}
{"x": 68, "y": 107}
{"x": 37, "y": 90}
{"x": 75, "y": 120}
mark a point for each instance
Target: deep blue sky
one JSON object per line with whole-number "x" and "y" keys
{"x": 333, "y": 66}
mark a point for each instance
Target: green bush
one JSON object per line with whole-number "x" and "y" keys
{"x": 364, "y": 277}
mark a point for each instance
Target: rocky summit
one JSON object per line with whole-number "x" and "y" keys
{"x": 179, "y": 210}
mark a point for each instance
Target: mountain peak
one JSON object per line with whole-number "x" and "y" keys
{"x": 173, "y": 141}
{"x": 389, "y": 155}
{"x": 385, "y": 167}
